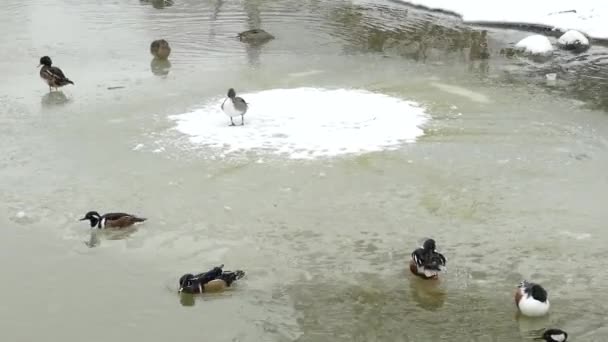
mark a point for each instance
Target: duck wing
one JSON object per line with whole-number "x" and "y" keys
{"x": 210, "y": 275}
{"x": 116, "y": 216}
{"x": 121, "y": 219}
{"x": 418, "y": 256}
{"x": 57, "y": 74}
{"x": 240, "y": 104}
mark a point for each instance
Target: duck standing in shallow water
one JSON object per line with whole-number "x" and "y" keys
{"x": 532, "y": 299}
{"x": 234, "y": 106}
{"x": 214, "y": 280}
{"x": 111, "y": 220}
{"x": 554, "y": 335}
{"x": 426, "y": 262}
{"x": 53, "y": 76}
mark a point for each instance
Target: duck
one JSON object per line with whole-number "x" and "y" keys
{"x": 554, "y": 335}
{"x": 111, "y": 220}
{"x": 532, "y": 299}
{"x": 234, "y": 106}
{"x": 426, "y": 262}
{"x": 255, "y": 36}
{"x": 214, "y": 280}
{"x": 53, "y": 76}
{"x": 160, "y": 49}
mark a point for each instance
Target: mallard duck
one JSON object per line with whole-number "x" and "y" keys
{"x": 255, "y": 36}
{"x": 111, "y": 220}
{"x": 531, "y": 299}
{"x": 160, "y": 49}
{"x": 426, "y": 262}
{"x": 554, "y": 335}
{"x": 53, "y": 76}
{"x": 234, "y": 106}
{"x": 214, "y": 280}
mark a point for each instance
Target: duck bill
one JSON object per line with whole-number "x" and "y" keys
{"x": 39, "y": 65}
{"x": 82, "y": 219}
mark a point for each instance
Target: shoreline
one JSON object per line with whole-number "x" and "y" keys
{"x": 548, "y": 30}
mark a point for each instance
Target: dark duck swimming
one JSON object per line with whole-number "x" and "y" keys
{"x": 554, "y": 335}
{"x": 214, "y": 280}
{"x": 111, "y": 220}
{"x": 426, "y": 262}
{"x": 53, "y": 76}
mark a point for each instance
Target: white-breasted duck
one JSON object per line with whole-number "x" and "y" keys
{"x": 532, "y": 299}
{"x": 52, "y": 76}
{"x": 554, "y": 335}
{"x": 426, "y": 262}
{"x": 111, "y": 220}
{"x": 214, "y": 280}
{"x": 234, "y": 106}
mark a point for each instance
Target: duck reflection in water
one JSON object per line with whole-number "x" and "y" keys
{"x": 428, "y": 295}
{"x": 54, "y": 98}
{"x": 160, "y": 67}
{"x": 97, "y": 234}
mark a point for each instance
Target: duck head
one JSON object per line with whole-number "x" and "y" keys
{"x": 46, "y": 61}
{"x": 188, "y": 283}
{"x": 93, "y": 217}
{"x": 231, "y": 93}
{"x": 429, "y": 245}
{"x": 537, "y": 292}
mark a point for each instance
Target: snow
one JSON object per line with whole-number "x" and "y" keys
{"x": 587, "y": 16}
{"x": 536, "y": 44}
{"x": 573, "y": 37}
{"x": 306, "y": 123}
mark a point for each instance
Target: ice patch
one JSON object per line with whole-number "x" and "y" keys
{"x": 456, "y": 90}
{"x": 306, "y": 123}
{"x": 305, "y": 73}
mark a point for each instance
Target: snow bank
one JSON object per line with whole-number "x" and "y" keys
{"x": 587, "y": 16}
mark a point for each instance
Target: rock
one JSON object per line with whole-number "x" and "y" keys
{"x": 255, "y": 36}
{"x": 537, "y": 45}
{"x": 160, "y": 49}
{"x": 574, "y": 41}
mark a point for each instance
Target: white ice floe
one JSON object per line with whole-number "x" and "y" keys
{"x": 306, "y": 123}
{"x": 588, "y": 16}
{"x": 536, "y": 45}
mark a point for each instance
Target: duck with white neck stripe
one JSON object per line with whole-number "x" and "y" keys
{"x": 111, "y": 220}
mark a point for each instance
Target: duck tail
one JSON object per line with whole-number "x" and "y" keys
{"x": 137, "y": 219}
{"x": 230, "y": 277}
{"x": 69, "y": 81}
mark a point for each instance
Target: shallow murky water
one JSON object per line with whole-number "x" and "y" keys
{"x": 509, "y": 177}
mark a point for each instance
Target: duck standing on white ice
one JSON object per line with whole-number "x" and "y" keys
{"x": 234, "y": 106}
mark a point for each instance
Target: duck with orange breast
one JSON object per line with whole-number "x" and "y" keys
{"x": 426, "y": 262}
{"x": 214, "y": 280}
